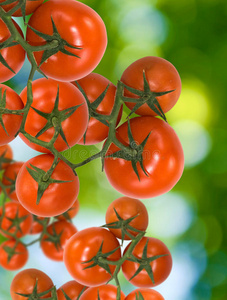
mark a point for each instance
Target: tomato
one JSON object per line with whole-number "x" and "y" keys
{"x": 94, "y": 85}
{"x": 161, "y": 76}
{"x": 14, "y": 211}
{"x": 18, "y": 260}
{"x": 127, "y": 208}
{"x": 24, "y": 283}
{"x": 161, "y": 267}
{"x": 9, "y": 178}
{"x": 14, "y": 56}
{"x": 37, "y": 227}
{"x": 71, "y": 212}
{"x": 148, "y": 294}
{"x": 64, "y": 230}
{"x": 6, "y": 155}
{"x": 163, "y": 159}
{"x": 80, "y": 26}
{"x": 83, "y": 246}
{"x": 57, "y": 198}
{"x": 72, "y": 290}
{"x": 31, "y": 6}
{"x": 44, "y": 96}
{"x": 103, "y": 292}
{"x": 11, "y": 122}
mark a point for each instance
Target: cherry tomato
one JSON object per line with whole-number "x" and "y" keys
{"x": 103, "y": 292}
{"x": 148, "y": 294}
{"x": 72, "y": 290}
{"x": 64, "y": 230}
{"x": 17, "y": 260}
{"x": 37, "y": 227}
{"x": 94, "y": 85}
{"x": 127, "y": 208}
{"x": 163, "y": 159}
{"x": 25, "y": 281}
{"x": 58, "y": 197}
{"x": 6, "y": 154}
{"x": 9, "y": 178}
{"x": 11, "y": 122}
{"x": 83, "y": 246}
{"x": 80, "y": 26}
{"x": 161, "y": 266}
{"x": 70, "y": 213}
{"x": 13, "y": 210}
{"x": 161, "y": 76}
{"x": 14, "y": 56}
{"x": 31, "y": 6}
{"x": 44, "y": 96}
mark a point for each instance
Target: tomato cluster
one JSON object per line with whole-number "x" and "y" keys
{"x": 142, "y": 157}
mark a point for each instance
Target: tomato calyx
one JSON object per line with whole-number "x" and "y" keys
{"x": 4, "y": 160}
{"x": 139, "y": 296}
{"x": 144, "y": 263}
{"x": 8, "y": 43}
{"x": 54, "y": 238}
{"x": 146, "y": 97}
{"x": 11, "y": 251}
{"x": 56, "y": 42}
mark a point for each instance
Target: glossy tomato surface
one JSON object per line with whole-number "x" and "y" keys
{"x": 148, "y": 294}
{"x": 71, "y": 288}
{"x": 44, "y": 97}
{"x": 57, "y": 198}
{"x": 103, "y": 292}
{"x": 80, "y": 26}
{"x": 83, "y": 246}
{"x": 30, "y": 7}
{"x": 163, "y": 159}
{"x": 161, "y": 76}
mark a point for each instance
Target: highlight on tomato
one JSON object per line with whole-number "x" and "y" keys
{"x": 43, "y": 192}
{"x": 81, "y": 38}
{"x": 155, "y": 163}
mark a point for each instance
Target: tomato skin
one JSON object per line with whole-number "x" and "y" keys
{"x": 11, "y": 210}
{"x": 82, "y": 247}
{"x": 51, "y": 202}
{"x": 161, "y": 267}
{"x": 127, "y": 208}
{"x": 30, "y": 7}
{"x": 49, "y": 248}
{"x": 11, "y": 173}
{"x": 93, "y": 86}
{"x": 105, "y": 292}
{"x": 24, "y": 283}
{"x": 44, "y": 96}
{"x": 161, "y": 75}
{"x": 72, "y": 290}
{"x": 80, "y": 26}
{"x": 148, "y": 294}
{"x": 71, "y": 212}
{"x": 7, "y": 152}
{"x": 36, "y": 226}
{"x": 14, "y": 55}
{"x": 11, "y": 122}
{"x": 163, "y": 159}
{"x": 18, "y": 260}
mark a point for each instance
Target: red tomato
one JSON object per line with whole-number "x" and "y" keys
{"x": 161, "y": 267}
{"x": 103, "y": 292}
{"x": 31, "y": 6}
{"x": 127, "y": 208}
{"x": 161, "y": 76}
{"x": 70, "y": 213}
{"x": 94, "y": 85}
{"x": 13, "y": 210}
{"x": 14, "y": 56}
{"x": 48, "y": 246}
{"x": 163, "y": 159}
{"x": 148, "y": 294}
{"x": 9, "y": 178}
{"x": 24, "y": 283}
{"x": 72, "y": 290}
{"x": 18, "y": 260}
{"x": 44, "y": 96}
{"x": 83, "y": 246}
{"x": 11, "y": 122}
{"x": 36, "y": 226}
{"x": 57, "y": 198}
{"x": 6, "y": 155}
{"x": 80, "y": 26}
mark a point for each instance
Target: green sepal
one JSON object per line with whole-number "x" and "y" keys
{"x": 39, "y": 296}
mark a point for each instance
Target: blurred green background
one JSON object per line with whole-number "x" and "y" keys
{"x": 192, "y": 218}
